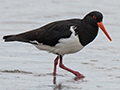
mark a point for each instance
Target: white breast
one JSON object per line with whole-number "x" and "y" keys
{"x": 65, "y": 45}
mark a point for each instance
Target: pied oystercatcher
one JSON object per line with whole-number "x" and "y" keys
{"x": 63, "y": 37}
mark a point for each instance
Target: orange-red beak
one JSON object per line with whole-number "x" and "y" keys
{"x": 100, "y": 24}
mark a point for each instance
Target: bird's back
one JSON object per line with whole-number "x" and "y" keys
{"x": 48, "y": 34}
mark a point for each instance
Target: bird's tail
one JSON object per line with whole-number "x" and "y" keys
{"x": 9, "y": 38}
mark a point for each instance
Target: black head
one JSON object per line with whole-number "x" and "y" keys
{"x": 93, "y": 18}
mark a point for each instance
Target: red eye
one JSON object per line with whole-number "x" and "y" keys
{"x": 94, "y": 17}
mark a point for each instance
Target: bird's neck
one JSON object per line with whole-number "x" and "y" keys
{"x": 87, "y": 33}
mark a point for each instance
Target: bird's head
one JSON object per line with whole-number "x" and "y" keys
{"x": 94, "y": 18}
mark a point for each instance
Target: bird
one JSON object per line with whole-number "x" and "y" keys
{"x": 63, "y": 37}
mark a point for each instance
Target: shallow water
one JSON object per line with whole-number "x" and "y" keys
{"x": 23, "y": 67}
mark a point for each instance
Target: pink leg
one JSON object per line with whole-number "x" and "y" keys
{"x": 76, "y": 73}
{"x": 55, "y": 65}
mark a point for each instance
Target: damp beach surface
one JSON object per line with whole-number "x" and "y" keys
{"x": 24, "y": 67}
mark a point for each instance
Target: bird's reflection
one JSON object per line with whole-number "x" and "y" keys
{"x": 58, "y": 86}
{"x": 61, "y": 86}
{"x": 76, "y": 79}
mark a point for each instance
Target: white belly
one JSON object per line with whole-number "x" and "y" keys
{"x": 65, "y": 45}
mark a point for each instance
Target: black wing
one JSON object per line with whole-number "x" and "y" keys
{"x": 48, "y": 34}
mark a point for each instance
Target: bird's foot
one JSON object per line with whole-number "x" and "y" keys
{"x": 78, "y": 76}
{"x": 54, "y": 80}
